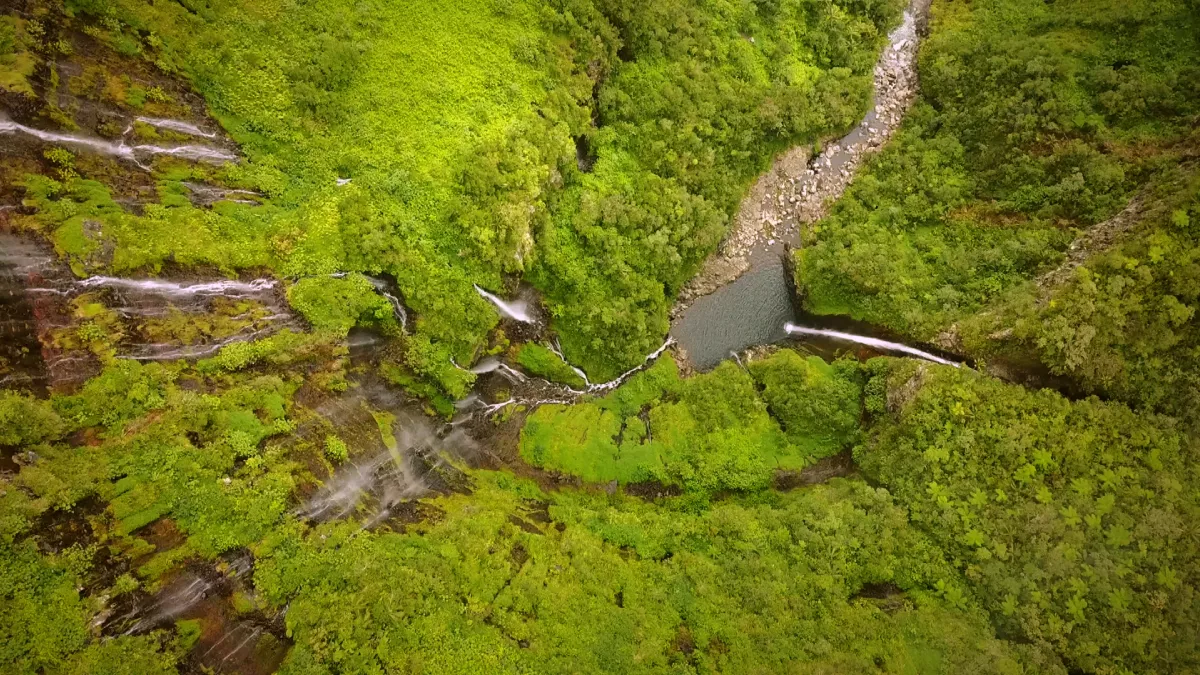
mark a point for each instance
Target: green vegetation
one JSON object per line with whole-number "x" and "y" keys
{"x": 620, "y": 585}
{"x": 692, "y": 100}
{"x": 25, "y": 420}
{"x": 543, "y": 362}
{"x": 505, "y": 577}
{"x": 818, "y": 404}
{"x": 45, "y": 625}
{"x": 596, "y": 150}
{"x": 1073, "y": 522}
{"x": 707, "y": 433}
{"x": 338, "y": 304}
{"x": 1123, "y": 324}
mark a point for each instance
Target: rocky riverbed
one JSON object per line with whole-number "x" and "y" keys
{"x": 800, "y": 187}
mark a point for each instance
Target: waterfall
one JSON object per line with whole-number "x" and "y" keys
{"x": 557, "y": 349}
{"x": 545, "y": 392}
{"x": 517, "y": 310}
{"x": 493, "y": 364}
{"x": 207, "y": 195}
{"x": 398, "y": 309}
{"x": 620, "y": 379}
{"x": 882, "y": 345}
{"x": 409, "y": 468}
{"x": 171, "y": 603}
{"x": 198, "y": 153}
{"x": 225, "y": 287}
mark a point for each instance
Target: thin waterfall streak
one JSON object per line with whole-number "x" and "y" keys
{"x": 241, "y": 644}
{"x": 877, "y": 343}
{"x": 193, "y": 152}
{"x": 200, "y": 187}
{"x": 95, "y": 144}
{"x": 511, "y": 374}
{"x": 218, "y": 643}
{"x": 651, "y": 358}
{"x": 570, "y": 394}
{"x": 485, "y": 366}
{"x": 198, "y": 350}
{"x": 398, "y": 309}
{"x": 176, "y": 125}
{"x": 224, "y": 287}
{"x": 557, "y": 349}
{"x": 196, "y": 153}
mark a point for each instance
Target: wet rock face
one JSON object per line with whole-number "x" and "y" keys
{"x": 203, "y": 594}
{"x": 52, "y": 324}
{"x": 21, "y": 364}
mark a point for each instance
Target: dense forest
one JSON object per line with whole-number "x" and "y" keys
{"x": 335, "y": 340}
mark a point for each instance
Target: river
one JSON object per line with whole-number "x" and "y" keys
{"x": 744, "y": 297}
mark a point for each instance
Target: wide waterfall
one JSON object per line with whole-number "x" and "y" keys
{"x": 517, "y": 310}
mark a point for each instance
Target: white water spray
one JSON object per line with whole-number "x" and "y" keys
{"x": 883, "y": 345}
{"x": 516, "y": 310}
{"x": 171, "y": 603}
{"x": 411, "y": 467}
{"x": 493, "y": 364}
{"x": 176, "y": 125}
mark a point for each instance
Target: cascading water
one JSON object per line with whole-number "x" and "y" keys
{"x": 517, "y": 310}
{"x": 230, "y": 641}
{"x": 557, "y": 349}
{"x": 37, "y": 296}
{"x": 177, "y": 126}
{"x": 875, "y": 343}
{"x": 22, "y": 264}
{"x": 492, "y": 364}
{"x": 172, "y": 602}
{"x": 207, "y": 195}
{"x": 131, "y": 153}
{"x": 538, "y": 391}
{"x": 225, "y": 287}
{"x": 411, "y": 466}
{"x": 264, "y": 310}
{"x": 382, "y": 287}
